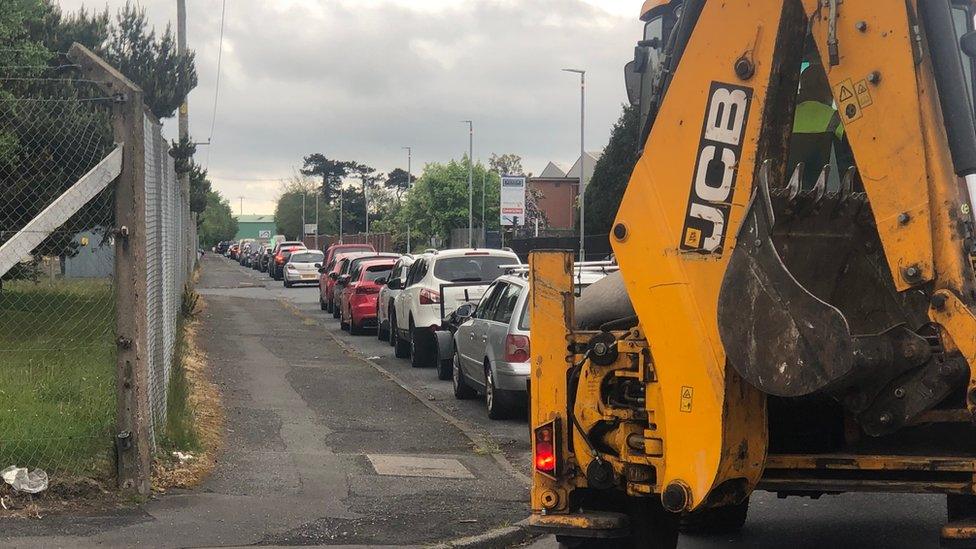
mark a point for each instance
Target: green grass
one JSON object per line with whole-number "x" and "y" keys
{"x": 180, "y": 433}
{"x": 57, "y": 376}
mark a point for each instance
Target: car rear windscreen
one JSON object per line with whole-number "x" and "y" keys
{"x": 378, "y": 272}
{"x": 307, "y": 257}
{"x": 471, "y": 268}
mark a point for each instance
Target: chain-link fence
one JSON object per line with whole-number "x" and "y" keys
{"x": 57, "y": 300}
{"x": 90, "y": 292}
{"x": 170, "y": 235}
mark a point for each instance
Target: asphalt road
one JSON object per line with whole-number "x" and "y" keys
{"x": 850, "y": 520}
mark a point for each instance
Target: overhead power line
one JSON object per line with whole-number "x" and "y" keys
{"x": 220, "y": 55}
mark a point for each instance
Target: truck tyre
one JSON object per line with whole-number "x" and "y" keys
{"x": 401, "y": 347}
{"x": 498, "y": 403}
{"x": 959, "y": 507}
{"x": 462, "y": 391}
{"x": 420, "y": 348}
{"x": 715, "y": 521}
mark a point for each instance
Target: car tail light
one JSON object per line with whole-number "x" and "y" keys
{"x": 516, "y": 348}
{"x": 367, "y": 290}
{"x": 280, "y": 259}
{"x": 546, "y": 449}
{"x": 429, "y": 297}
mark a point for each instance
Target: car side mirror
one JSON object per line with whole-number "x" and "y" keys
{"x": 968, "y": 44}
{"x": 466, "y": 312}
{"x": 334, "y": 276}
{"x": 395, "y": 284}
{"x": 318, "y": 266}
{"x": 381, "y": 282}
{"x": 344, "y": 279}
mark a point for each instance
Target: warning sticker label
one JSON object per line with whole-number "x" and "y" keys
{"x": 863, "y": 93}
{"x": 849, "y": 108}
{"x": 687, "y": 396}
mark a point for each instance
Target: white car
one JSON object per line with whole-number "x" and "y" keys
{"x": 385, "y": 301}
{"x": 303, "y": 267}
{"x": 436, "y": 284}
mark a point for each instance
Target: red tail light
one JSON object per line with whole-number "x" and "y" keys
{"x": 429, "y": 297}
{"x": 546, "y": 458}
{"x": 280, "y": 259}
{"x": 516, "y": 348}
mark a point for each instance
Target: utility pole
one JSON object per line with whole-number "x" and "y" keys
{"x": 366, "y": 204}
{"x": 303, "y": 215}
{"x": 242, "y": 204}
{"x": 316, "y": 220}
{"x": 184, "y": 121}
{"x": 484, "y": 228}
{"x": 340, "y": 212}
{"x": 582, "y": 161}
{"x": 470, "y": 124}
{"x": 409, "y": 184}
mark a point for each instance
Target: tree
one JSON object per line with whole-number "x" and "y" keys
{"x": 330, "y": 172}
{"x": 506, "y": 164}
{"x": 288, "y": 210}
{"x": 217, "y": 221}
{"x": 164, "y": 75}
{"x": 612, "y": 173}
{"x": 399, "y": 181}
{"x": 438, "y": 202}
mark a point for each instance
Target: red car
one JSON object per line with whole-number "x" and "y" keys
{"x": 329, "y": 274}
{"x": 357, "y": 302}
{"x": 337, "y": 249}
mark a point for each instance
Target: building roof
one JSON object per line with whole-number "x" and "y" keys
{"x": 254, "y": 218}
{"x": 591, "y": 158}
{"x": 554, "y": 170}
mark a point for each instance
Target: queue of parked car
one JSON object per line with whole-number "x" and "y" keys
{"x": 463, "y": 312}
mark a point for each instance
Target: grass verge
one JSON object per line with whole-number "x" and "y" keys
{"x": 194, "y": 421}
{"x": 57, "y": 376}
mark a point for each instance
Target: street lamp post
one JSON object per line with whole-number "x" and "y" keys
{"x": 582, "y": 161}
{"x": 409, "y": 184}
{"x": 303, "y": 215}
{"x": 470, "y": 182}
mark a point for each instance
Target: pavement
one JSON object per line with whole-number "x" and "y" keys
{"x": 307, "y": 424}
{"x": 315, "y": 414}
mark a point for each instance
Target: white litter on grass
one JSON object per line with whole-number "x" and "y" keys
{"x": 22, "y": 480}
{"x": 374, "y": 358}
{"x": 183, "y": 457}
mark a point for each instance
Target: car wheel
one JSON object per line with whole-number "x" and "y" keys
{"x": 498, "y": 403}
{"x": 288, "y": 284}
{"x": 354, "y": 329}
{"x": 336, "y": 309}
{"x": 420, "y": 348}
{"x": 462, "y": 391}
{"x": 381, "y": 334}
{"x": 391, "y": 326}
{"x": 445, "y": 365}
{"x": 401, "y": 347}
{"x": 322, "y": 303}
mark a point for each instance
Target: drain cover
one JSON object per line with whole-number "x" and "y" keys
{"x": 410, "y": 466}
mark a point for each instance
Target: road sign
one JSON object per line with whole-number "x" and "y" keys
{"x": 311, "y": 228}
{"x": 513, "y": 200}
{"x": 264, "y": 235}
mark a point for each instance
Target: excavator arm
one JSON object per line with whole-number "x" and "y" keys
{"x": 766, "y": 297}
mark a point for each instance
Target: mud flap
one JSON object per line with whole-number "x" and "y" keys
{"x": 779, "y": 337}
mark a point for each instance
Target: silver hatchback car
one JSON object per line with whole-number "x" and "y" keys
{"x": 303, "y": 267}
{"x": 492, "y": 349}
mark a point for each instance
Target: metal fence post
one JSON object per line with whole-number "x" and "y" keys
{"x": 133, "y": 414}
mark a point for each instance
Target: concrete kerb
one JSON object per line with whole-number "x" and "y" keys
{"x": 476, "y": 438}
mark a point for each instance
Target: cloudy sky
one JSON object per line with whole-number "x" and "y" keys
{"x": 359, "y": 79}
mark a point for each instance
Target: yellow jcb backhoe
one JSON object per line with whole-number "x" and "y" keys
{"x": 795, "y": 306}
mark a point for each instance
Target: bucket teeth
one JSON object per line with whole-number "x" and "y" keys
{"x": 820, "y": 188}
{"x": 793, "y": 187}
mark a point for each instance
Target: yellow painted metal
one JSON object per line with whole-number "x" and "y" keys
{"x": 650, "y": 5}
{"x": 888, "y": 148}
{"x": 965, "y": 464}
{"x": 551, "y": 310}
{"x": 960, "y": 324}
{"x": 715, "y": 424}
